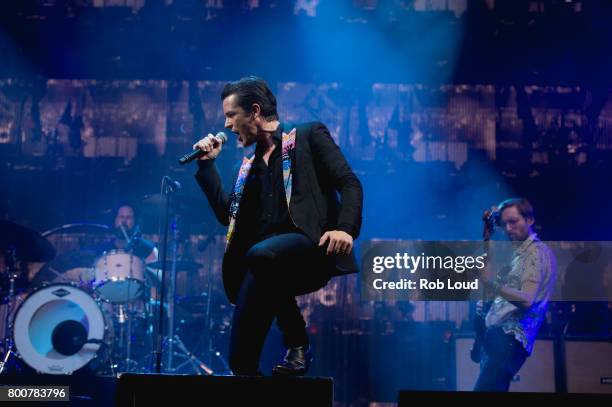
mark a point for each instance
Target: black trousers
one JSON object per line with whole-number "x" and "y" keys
{"x": 502, "y": 359}
{"x": 279, "y": 268}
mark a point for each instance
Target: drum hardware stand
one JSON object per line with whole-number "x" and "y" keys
{"x": 19, "y": 245}
{"x": 7, "y": 342}
{"x": 6, "y": 357}
{"x": 197, "y": 364}
{"x": 209, "y": 322}
{"x": 173, "y": 339}
{"x": 125, "y": 333}
{"x": 169, "y": 187}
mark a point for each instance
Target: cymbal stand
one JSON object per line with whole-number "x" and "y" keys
{"x": 197, "y": 365}
{"x": 10, "y": 259}
{"x": 124, "y": 316}
{"x": 209, "y": 318}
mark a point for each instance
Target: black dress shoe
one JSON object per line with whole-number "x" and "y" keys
{"x": 296, "y": 363}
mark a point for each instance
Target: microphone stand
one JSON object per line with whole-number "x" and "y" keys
{"x": 168, "y": 188}
{"x": 172, "y": 294}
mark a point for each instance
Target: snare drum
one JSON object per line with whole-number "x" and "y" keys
{"x": 59, "y": 329}
{"x": 119, "y": 276}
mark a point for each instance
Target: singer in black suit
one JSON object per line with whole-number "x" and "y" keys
{"x": 288, "y": 232}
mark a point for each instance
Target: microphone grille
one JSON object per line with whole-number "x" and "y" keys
{"x": 221, "y": 136}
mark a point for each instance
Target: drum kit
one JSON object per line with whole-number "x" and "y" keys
{"x": 84, "y": 311}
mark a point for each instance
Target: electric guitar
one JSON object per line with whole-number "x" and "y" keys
{"x": 480, "y": 328}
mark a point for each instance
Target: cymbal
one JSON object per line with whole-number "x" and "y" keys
{"x": 83, "y": 227}
{"x": 70, "y": 267}
{"x": 180, "y": 313}
{"x": 198, "y": 307}
{"x": 29, "y": 245}
{"x": 181, "y": 265}
{"x": 194, "y": 303}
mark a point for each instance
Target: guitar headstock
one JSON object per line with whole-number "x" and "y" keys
{"x": 490, "y": 219}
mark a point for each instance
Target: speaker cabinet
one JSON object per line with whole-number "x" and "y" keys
{"x": 588, "y": 366}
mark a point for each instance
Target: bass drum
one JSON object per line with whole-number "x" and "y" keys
{"x": 60, "y": 329}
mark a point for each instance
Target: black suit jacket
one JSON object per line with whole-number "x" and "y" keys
{"x": 319, "y": 172}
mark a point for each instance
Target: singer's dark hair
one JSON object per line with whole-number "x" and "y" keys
{"x": 521, "y": 204}
{"x": 250, "y": 90}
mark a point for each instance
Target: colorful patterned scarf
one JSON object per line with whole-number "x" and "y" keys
{"x": 236, "y": 196}
{"x": 288, "y": 145}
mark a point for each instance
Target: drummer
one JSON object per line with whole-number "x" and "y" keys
{"x": 127, "y": 236}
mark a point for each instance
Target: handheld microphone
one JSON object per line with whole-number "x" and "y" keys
{"x": 189, "y": 157}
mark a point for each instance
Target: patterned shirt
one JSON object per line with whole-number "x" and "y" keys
{"x": 532, "y": 262}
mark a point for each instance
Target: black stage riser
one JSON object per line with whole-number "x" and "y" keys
{"x": 150, "y": 390}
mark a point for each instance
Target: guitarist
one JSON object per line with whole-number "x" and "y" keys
{"x": 490, "y": 219}
{"x": 288, "y": 234}
{"x": 520, "y": 299}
